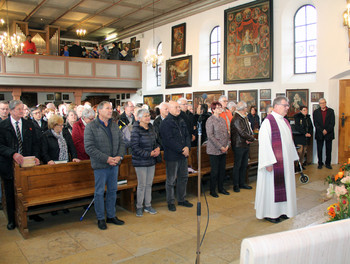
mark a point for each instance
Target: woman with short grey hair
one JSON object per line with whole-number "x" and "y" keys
{"x": 145, "y": 150}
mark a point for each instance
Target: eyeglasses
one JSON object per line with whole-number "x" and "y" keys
{"x": 59, "y": 125}
{"x": 36, "y": 113}
{"x": 285, "y": 105}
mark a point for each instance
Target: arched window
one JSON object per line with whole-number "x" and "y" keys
{"x": 305, "y": 40}
{"x": 214, "y": 54}
{"x": 159, "y": 67}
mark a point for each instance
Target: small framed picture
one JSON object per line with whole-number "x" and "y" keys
{"x": 189, "y": 96}
{"x": 280, "y": 94}
{"x": 65, "y": 96}
{"x": 2, "y": 97}
{"x": 167, "y": 98}
{"x": 264, "y": 104}
{"x": 315, "y": 106}
{"x": 118, "y": 96}
{"x": 123, "y": 96}
{"x": 232, "y": 96}
{"x": 265, "y": 94}
{"x": 315, "y": 96}
{"x": 50, "y": 97}
{"x": 127, "y": 96}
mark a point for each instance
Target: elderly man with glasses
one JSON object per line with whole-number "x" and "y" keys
{"x": 275, "y": 189}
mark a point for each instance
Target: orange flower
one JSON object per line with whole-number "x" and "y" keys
{"x": 348, "y": 160}
{"x": 341, "y": 174}
{"x": 336, "y": 177}
{"x": 331, "y": 212}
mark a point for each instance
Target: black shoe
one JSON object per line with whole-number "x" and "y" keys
{"x": 273, "y": 220}
{"x": 284, "y": 217}
{"x": 185, "y": 204}
{"x": 115, "y": 221}
{"x": 11, "y": 226}
{"x": 215, "y": 195}
{"x": 303, "y": 167}
{"x": 236, "y": 189}
{"x": 101, "y": 224}
{"x": 66, "y": 211}
{"x": 224, "y": 192}
{"x": 319, "y": 167}
{"x": 36, "y": 218}
{"x": 172, "y": 207}
{"x": 245, "y": 186}
{"x": 329, "y": 167}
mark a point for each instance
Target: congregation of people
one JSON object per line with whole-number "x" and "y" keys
{"x": 103, "y": 135}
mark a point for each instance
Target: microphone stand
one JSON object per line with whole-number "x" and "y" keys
{"x": 199, "y": 194}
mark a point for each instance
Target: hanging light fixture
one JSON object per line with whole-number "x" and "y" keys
{"x": 152, "y": 57}
{"x": 346, "y": 15}
{"x": 10, "y": 45}
{"x": 81, "y": 32}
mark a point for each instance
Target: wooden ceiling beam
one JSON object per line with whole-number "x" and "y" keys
{"x": 69, "y": 10}
{"x": 34, "y": 11}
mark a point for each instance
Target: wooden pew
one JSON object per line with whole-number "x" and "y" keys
{"x": 253, "y": 158}
{"x": 47, "y": 188}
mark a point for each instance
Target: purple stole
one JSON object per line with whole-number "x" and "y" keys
{"x": 278, "y": 168}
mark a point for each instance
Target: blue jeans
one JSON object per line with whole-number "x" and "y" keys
{"x": 107, "y": 176}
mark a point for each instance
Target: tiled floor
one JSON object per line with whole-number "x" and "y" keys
{"x": 167, "y": 237}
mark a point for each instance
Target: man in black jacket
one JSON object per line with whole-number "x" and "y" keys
{"x": 324, "y": 121}
{"x": 164, "y": 111}
{"x": 17, "y": 139}
{"x": 40, "y": 124}
{"x": 176, "y": 143}
{"x": 76, "y": 50}
{"x": 127, "y": 117}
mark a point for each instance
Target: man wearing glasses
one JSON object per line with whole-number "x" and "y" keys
{"x": 40, "y": 124}
{"x": 324, "y": 121}
{"x": 275, "y": 189}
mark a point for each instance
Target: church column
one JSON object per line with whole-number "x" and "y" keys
{"x": 16, "y": 93}
{"x": 77, "y": 96}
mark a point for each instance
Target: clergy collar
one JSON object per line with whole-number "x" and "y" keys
{"x": 276, "y": 114}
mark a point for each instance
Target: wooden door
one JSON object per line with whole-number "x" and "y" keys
{"x": 344, "y": 121}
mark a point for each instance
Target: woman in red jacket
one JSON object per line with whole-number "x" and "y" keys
{"x": 88, "y": 115}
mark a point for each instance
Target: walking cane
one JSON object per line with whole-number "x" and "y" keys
{"x": 199, "y": 193}
{"x": 87, "y": 209}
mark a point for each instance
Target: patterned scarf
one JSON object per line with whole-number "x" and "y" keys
{"x": 278, "y": 168}
{"x": 62, "y": 145}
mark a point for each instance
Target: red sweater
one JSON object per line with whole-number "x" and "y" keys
{"x": 78, "y": 140}
{"x": 29, "y": 47}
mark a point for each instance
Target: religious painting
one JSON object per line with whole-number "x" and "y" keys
{"x": 65, "y": 96}
{"x": 316, "y": 96}
{"x": 127, "y": 96}
{"x": 264, "y": 104}
{"x": 50, "y": 97}
{"x": 248, "y": 43}
{"x": 297, "y": 98}
{"x": 167, "y": 98}
{"x": 205, "y": 98}
{"x": 175, "y": 97}
{"x": 280, "y": 94}
{"x": 250, "y": 97}
{"x": 314, "y": 107}
{"x": 179, "y": 72}
{"x": 152, "y": 100}
{"x": 265, "y": 94}
{"x": 133, "y": 43}
{"x": 123, "y": 96}
{"x": 2, "y": 97}
{"x": 178, "y": 40}
{"x": 232, "y": 96}
{"x": 188, "y": 96}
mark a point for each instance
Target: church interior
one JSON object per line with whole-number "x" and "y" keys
{"x": 194, "y": 49}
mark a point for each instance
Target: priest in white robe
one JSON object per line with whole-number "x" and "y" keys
{"x": 276, "y": 197}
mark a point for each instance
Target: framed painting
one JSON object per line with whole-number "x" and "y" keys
{"x": 175, "y": 97}
{"x": 188, "y": 96}
{"x": 314, "y": 107}
{"x": 280, "y": 94}
{"x": 167, "y": 98}
{"x": 250, "y": 97}
{"x": 232, "y": 96}
{"x": 133, "y": 43}
{"x": 265, "y": 93}
{"x": 264, "y": 104}
{"x": 205, "y": 98}
{"x": 152, "y": 100}
{"x": 179, "y": 72}
{"x": 65, "y": 96}
{"x": 248, "y": 43}
{"x": 178, "y": 39}
{"x": 297, "y": 98}
{"x": 315, "y": 96}
{"x": 2, "y": 97}
{"x": 50, "y": 97}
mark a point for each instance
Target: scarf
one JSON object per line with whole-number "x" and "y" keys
{"x": 278, "y": 168}
{"x": 62, "y": 145}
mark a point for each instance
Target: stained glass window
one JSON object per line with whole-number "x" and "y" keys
{"x": 215, "y": 54}
{"x": 159, "y": 67}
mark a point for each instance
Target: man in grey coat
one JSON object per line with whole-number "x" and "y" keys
{"x": 104, "y": 144}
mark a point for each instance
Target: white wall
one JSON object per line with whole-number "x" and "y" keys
{"x": 332, "y": 56}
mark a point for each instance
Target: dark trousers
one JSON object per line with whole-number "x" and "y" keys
{"x": 10, "y": 199}
{"x": 328, "y": 151}
{"x": 217, "y": 173}
{"x": 176, "y": 172}
{"x": 240, "y": 167}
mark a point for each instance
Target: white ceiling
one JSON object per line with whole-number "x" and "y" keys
{"x": 102, "y": 17}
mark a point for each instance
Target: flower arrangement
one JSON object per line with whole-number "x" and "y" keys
{"x": 339, "y": 186}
